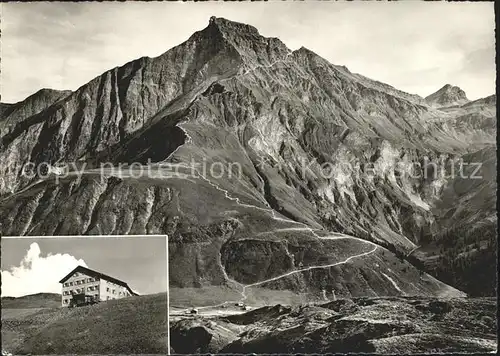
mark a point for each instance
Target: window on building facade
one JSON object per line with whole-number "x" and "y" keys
{"x": 107, "y": 289}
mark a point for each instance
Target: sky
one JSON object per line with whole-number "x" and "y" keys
{"x": 36, "y": 265}
{"x": 414, "y": 46}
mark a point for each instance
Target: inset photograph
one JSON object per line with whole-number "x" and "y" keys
{"x": 84, "y": 295}
{"x": 325, "y": 172}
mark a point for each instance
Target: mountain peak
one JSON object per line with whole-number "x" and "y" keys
{"x": 448, "y": 95}
{"x": 232, "y": 28}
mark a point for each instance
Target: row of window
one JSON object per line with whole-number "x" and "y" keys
{"x": 66, "y": 301}
{"x": 80, "y": 290}
{"x": 113, "y": 291}
{"x": 81, "y": 281}
{"x": 93, "y": 288}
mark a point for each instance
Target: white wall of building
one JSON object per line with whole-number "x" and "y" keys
{"x": 100, "y": 288}
{"x": 110, "y": 290}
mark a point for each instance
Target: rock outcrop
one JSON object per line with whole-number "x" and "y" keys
{"x": 364, "y": 325}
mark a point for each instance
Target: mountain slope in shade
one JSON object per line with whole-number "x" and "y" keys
{"x": 12, "y": 114}
{"x": 448, "y": 95}
{"x": 229, "y": 95}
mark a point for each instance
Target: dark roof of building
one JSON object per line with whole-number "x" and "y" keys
{"x": 99, "y": 275}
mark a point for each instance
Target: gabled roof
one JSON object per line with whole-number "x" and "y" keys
{"x": 99, "y": 275}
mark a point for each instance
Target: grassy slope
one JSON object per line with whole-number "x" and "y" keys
{"x": 204, "y": 296}
{"x": 129, "y": 326}
{"x": 39, "y": 300}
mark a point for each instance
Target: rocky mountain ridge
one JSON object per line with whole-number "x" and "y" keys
{"x": 229, "y": 95}
{"x": 448, "y": 95}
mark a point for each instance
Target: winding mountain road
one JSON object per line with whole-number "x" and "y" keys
{"x": 167, "y": 173}
{"x": 303, "y": 227}
{"x": 245, "y": 287}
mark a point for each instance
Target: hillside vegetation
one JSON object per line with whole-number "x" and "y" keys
{"x": 135, "y": 325}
